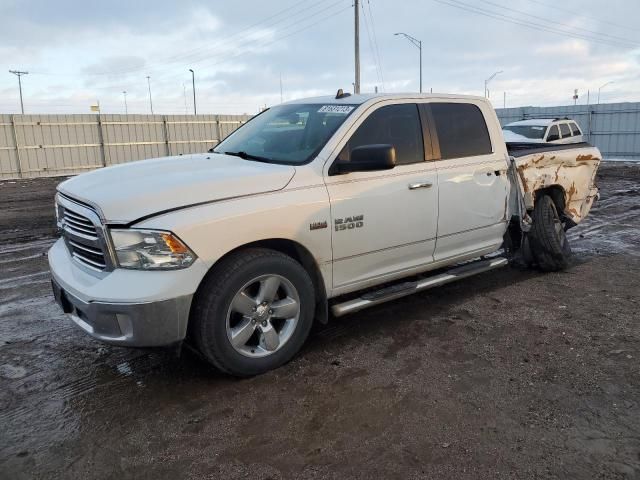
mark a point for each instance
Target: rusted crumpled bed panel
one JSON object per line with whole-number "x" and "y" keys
{"x": 574, "y": 170}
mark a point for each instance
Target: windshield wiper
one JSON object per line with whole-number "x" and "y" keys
{"x": 248, "y": 156}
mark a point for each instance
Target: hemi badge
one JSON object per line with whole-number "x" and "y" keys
{"x": 317, "y": 225}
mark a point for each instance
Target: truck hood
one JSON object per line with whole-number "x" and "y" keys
{"x": 128, "y": 192}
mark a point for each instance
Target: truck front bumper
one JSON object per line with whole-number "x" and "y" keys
{"x": 125, "y": 307}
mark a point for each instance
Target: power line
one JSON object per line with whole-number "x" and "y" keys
{"x": 356, "y": 83}
{"x": 163, "y": 80}
{"x": 194, "y": 55}
{"x": 371, "y": 47}
{"x": 276, "y": 39}
{"x": 223, "y": 59}
{"x": 573, "y": 13}
{"x": 524, "y": 23}
{"x": 625, "y": 40}
{"x": 375, "y": 42}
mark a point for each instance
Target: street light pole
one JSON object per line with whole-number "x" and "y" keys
{"x": 193, "y": 84}
{"x": 417, "y": 43}
{"x": 608, "y": 83}
{"x": 150, "y": 101}
{"x": 19, "y": 74}
{"x": 126, "y": 110}
{"x": 486, "y": 83}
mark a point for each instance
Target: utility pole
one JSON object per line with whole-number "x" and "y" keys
{"x": 19, "y": 74}
{"x": 126, "y": 110}
{"x": 356, "y": 5}
{"x": 504, "y": 104}
{"x": 150, "y": 101}
{"x": 193, "y": 84}
{"x": 417, "y": 43}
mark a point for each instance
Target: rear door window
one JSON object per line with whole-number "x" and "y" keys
{"x": 554, "y": 133}
{"x": 397, "y": 125}
{"x": 566, "y": 131}
{"x": 461, "y": 130}
{"x": 574, "y": 128}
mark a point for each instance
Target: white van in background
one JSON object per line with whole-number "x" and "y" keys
{"x": 543, "y": 130}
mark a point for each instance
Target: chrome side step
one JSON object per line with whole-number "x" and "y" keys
{"x": 400, "y": 290}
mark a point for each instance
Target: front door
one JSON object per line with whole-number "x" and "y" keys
{"x": 384, "y": 222}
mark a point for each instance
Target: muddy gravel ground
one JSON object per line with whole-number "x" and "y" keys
{"x": 511, "y": 374}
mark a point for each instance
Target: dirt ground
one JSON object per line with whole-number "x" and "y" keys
{"x": 509, "y": 374}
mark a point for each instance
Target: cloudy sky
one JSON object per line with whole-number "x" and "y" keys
{"x": 83, "y": 51}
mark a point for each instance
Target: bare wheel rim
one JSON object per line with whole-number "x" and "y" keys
{"x": 263, "y": 315}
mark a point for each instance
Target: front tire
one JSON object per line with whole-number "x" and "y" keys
{"x": 253, "y": 312}
{"x": 549, "y": 243}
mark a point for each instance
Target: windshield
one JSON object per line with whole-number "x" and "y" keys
{"x": 288, "y": 134}
{"x": 528, "y": 131}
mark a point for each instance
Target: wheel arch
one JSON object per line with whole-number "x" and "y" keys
{"x": 298, "y": 252}
{"x": 559, "y": 197}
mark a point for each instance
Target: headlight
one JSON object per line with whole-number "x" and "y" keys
{"x": 150, "y": 250}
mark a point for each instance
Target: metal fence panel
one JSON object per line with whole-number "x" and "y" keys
{"x": 132, "y": 137}
{"x": 189, "y": 134}
{"x": 9, "y": 165}
{"x": 51, "y": 145}
{"x": 613, "y": 127}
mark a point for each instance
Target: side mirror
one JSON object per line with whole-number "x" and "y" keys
{"x": 552, "y": 137}
{"x": 367, "y": 158}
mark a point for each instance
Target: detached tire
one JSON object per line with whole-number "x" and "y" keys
{"x": 549, "y": 244}
{"x": 253, "y": 312}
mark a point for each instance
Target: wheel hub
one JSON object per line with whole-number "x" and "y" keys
{"x": 263, "y": 315}
{"x": 262, "y": 311}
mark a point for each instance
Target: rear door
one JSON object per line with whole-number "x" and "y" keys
{"x": 566, "y": 133}
{"x": 577, "y": 133}
{"x": 553, "y": 135}
{"x": 384, "y": 222}
{"x": 472, "y": 182}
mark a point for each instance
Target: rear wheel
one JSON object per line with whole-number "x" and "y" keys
{"x": 549, "y": 243}
{"x": 254, "y": 312}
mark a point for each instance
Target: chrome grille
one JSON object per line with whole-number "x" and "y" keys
{"x": 82, "y": 236}
{"x": 78, "y": 224}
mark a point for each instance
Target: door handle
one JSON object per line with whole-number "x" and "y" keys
{"x": 415, "y": 186}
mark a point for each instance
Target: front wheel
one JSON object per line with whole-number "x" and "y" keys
{"x": 549, "y": 243}
{"x": 253, "y": 312}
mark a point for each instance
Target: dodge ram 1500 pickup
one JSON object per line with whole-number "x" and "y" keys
{"x": 316, "y": 206}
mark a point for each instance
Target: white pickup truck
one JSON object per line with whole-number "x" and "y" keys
{"x": 320, "y": 205}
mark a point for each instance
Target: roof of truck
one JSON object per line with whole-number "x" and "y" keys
{"x": 364, "y": 97}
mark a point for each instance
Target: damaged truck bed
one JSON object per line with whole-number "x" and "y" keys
{"x": 566, "y": 172}
{"x": 554, "y": 191}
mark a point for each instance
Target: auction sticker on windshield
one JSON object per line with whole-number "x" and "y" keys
{"x": 344, "y": 109}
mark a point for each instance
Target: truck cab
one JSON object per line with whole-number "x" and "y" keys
{"x": 317, "y": 205}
